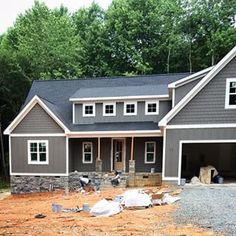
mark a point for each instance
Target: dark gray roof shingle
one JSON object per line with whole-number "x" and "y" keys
{"x": 56, "y": 93}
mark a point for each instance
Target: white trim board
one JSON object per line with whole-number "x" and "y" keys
{"x": 138, "y": 98}
{"x": 35, "y": 100}
{"x": 39, "y": 174}
{"x": 171, "y": 114}
{"x": 141, "y": 133}
{"x": 38, "y": 135}
{"x": 201, "y": 126}
{"x": 190, "y": 78}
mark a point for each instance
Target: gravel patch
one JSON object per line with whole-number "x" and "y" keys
{"x": 208, "y": 207}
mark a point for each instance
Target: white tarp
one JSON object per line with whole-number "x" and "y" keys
{"x": 106, "y": 208}
{"x": 136, "y": 198}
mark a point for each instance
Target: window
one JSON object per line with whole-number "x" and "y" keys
{"x": 150, "y": 152}
{"x": 38, "y": 152}
{"x": 87, "y": 152}
{"x": 130, "y": 108}
{"x": 89, "y": 109}
{"x": 230, "y": 99}
{"x": 151, "y": 108}
{"x": 109, "y": 109}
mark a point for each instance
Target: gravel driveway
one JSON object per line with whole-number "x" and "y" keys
{"x": 209, "y": 207}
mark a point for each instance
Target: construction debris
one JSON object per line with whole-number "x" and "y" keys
{"x": 106, "y": 208}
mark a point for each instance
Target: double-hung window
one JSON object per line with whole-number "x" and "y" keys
{"x": 130, "y": 108}
{"x": 89, "y": 110}
{"x": 151, "y": 108}
{"x": 150, "y": 152}
{"x": 109, "y": 109}
{"x": 87, "y": 152}
{"x": 38, "y": 152}
{"x": 230, "y": 96}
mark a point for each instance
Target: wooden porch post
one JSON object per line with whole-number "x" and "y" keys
{"x": 99, "y": 149}
{"x": 98, "y": 160}
{"x": 132, "y": 149}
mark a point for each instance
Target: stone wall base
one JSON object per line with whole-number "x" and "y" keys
{"x": 30, "y": 184}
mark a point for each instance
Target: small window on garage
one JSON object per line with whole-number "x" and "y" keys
{"x": 87, "y": 152}
{"x": 150, "y": 152}
{"x": 38, "y": 152}
{"x": 230, "y": 99}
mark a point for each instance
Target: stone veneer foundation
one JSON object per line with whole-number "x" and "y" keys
{"x": 30, "y": 184}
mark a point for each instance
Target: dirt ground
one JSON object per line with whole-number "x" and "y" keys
{"x": 17, "y": 217}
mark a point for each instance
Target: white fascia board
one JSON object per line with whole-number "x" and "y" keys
{"x": 141, "y": 133}
{"x": 39, "y": 174}
{"x": 141, "y": 97}
{"x": 198, "y": 87}
{"x": 27, "y": 109}
{"x": 190, "y": 78}
{"x": 201, "y": 126}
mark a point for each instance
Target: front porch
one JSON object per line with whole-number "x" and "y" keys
{"x": 138, "y": 159}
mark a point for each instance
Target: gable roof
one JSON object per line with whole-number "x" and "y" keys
{"x": 35, "y": 100}
{"x": 55, "y": 94}
{"x": 221, "y": 64}
{"x": 190, "y": 78}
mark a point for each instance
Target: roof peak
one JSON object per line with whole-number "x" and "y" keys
{"x": 117, "y": 77}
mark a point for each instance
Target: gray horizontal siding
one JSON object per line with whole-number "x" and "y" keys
{"x": 181, "y": 91}
{"x": 164, "y": 107}
{"x": 57, "y": 155}
{"x": 139, "y": 152}
{"x": 173, "y": 136}
{"x": 37, "y": 121}
{"x": 208, "y": 106}
{"x": 76, "y": 153}
{"x": 139, "y": 155}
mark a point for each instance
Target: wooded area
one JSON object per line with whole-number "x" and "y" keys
{"x": 131, "y": 37}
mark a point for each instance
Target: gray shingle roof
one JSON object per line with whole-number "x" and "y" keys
{"x": 138, "y": 90}
{"x": 56, "y": 93}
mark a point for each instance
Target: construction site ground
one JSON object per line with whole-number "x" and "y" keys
{"x": 17, "y": 217}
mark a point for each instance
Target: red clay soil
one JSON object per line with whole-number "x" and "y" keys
{"x": 17, "y": 217}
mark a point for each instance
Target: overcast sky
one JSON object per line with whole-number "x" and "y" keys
{"x": 9, "y": 9}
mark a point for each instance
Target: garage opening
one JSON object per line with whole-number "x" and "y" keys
{"x": 220, "y": 155}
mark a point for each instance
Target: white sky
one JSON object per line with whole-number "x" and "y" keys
{"x": 9, "y": 9}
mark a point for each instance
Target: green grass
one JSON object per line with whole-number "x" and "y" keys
{"x": 4, "y": 185}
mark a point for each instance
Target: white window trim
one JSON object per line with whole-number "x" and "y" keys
{"x": 227, "y": 93}
{"x": 114, "y": 108}
{"x": 29, "y": 156}
{"x": 87, "y": 162}
{"x": 151, "y": 102}
{"x": 135, "y": 108}
{"x": 89, "y": 104}
{"x": 154, "y": 158}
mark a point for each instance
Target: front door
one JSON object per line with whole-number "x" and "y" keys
{"x": 118, "y": 154}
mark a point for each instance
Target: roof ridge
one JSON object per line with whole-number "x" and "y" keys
{"x": 115, "y": 77}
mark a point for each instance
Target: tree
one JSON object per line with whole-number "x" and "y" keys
{"x": 44, "y": 43}
{"x": 90, "y": 30}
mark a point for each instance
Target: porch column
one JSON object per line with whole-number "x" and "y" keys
{"x": 98, "y": 160}
{"x": 132, "y": 161}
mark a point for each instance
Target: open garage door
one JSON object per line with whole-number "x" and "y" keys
{"x": 220, "y": 155}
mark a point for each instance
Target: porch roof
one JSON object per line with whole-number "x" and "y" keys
{"x": 116, "y": 126}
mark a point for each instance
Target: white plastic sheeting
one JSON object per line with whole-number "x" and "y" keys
{"x": 106, "y": 208}
{"x": 136, "y": 198}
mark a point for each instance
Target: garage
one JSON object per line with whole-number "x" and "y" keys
{"x": 219, "y": 154}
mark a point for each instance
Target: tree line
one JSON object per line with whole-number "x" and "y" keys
{"x": 131, "y": 37}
